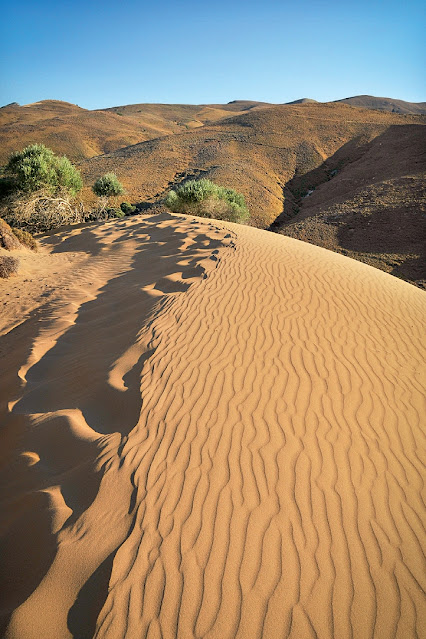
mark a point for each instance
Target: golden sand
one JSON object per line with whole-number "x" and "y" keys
{"x": 209, "y": 431}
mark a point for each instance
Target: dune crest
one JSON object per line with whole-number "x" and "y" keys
{"x": 215, "y": 432}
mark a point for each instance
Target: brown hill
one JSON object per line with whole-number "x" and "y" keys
{"x": 370, "y": 206}
{"x": 78, "y": 133}
{"x": 385, "y": 104}
{"x": 274, "y": 154}
{"x": 257, "y": 152}
{"x": 69, "y": 129}
{"x": 177, "y": 118}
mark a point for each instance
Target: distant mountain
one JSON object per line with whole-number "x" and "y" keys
{"x": 303, "y": 101}
{"x": 385, "y": 104}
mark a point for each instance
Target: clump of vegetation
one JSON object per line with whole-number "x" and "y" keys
{"x": 102, "y": 213}
{"x": 8, "y": 265}
{"x": 36, "y": 167}
{"x": 107, "y": 186}
{"x": 38, "y": 188}
{"x": 206, "y": 199}
{"x": 26, "y": 239}
{"x": 128, "y": 209}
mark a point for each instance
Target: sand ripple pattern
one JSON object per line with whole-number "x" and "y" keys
{"x": 266, "y": 479}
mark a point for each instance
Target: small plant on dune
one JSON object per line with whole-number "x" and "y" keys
{"x": 206, "y": 199}
{"x": 8, "y": 265}
{"x": 105, "y": 187}
{"x": 117, "y": 213}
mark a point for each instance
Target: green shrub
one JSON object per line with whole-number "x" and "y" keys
{"x": 107, "y": 186}
{"x": 115, "y": 213}
{"x": 26, "y": 239}
{"x": 206, "y": 199}
{"x": 36, "y": 167}
{"x": 8, "y": 265}
{"x": 128, "y": 209}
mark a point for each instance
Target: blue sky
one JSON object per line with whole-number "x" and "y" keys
{"x": 99, "y": 54}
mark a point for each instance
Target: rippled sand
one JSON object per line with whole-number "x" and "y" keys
{"x": 209, "y": 431}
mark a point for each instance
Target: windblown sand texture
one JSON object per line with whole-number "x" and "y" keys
{"x": 209, "y": 431}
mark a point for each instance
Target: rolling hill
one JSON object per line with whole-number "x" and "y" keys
{"x": 274, "y": 154}
{"x": 257, "y": 152}
{"x": 385, "y": 104}
{"x": 78, "y": 133}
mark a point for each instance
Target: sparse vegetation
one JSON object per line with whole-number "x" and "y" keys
{"x": 8, "y": 265}
{"x": 206, "y": 199}
{"x": 107, "y": 186}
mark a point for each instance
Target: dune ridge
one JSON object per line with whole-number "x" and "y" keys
{"x": 221, "y": 438}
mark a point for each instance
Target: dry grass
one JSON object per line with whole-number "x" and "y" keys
{"x": 40, "y": 211}
{"x": 8, "y": 265}
{"x": 26, "y": 239}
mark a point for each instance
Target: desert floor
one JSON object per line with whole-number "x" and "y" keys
{"x": 209, "y": 431}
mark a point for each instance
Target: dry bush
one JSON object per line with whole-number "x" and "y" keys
{"x": 26, "y": 239}
{"x": 40, "y": 211}
{"x": 8, "y": 265}
{"x": 7, "y": 238}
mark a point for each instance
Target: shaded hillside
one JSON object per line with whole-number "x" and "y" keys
{"x": 371, "y": 207}
{"x": 385, "y": 104}
{"x": 257, "y": 152}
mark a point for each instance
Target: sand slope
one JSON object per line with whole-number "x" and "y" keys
{"x": 210, "y": 431}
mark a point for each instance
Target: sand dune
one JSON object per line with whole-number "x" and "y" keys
{"x": 210, "y": 431}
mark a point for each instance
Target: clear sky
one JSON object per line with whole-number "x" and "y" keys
{"x": 99, "y": 54}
